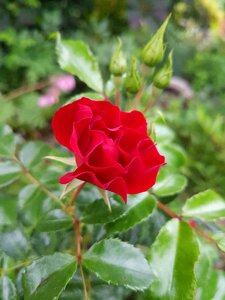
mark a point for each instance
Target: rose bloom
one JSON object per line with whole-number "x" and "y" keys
{"x": 112, "y": 148}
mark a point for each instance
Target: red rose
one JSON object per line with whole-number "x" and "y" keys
{"x": 112, "y": 148}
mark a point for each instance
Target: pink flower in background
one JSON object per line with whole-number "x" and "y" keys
{"x": 64, "y": 83}
{"x": 49, "y": 99}
{"x": 61, "y": 83}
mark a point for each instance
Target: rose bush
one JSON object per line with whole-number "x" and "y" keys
{"x": 112, "y": 148}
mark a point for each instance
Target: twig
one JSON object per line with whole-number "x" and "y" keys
{"x": 138, "y": 96}
{"x": 77, "y": 229}
{"x": 168, "y": 211}
{"x": 36, "y": 182}
{"x": 27, "y": 89}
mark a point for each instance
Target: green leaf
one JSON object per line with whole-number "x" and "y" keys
{"x": 175, "y": 155}
{"x": 46, "y": 277}
{"x": 7, "y": 289}
{"x": 139, "y": 208}
{"x": 163, "y": 133}
{"x": 8, "y": 205}
{"x": 98, "y": 213}
{"x": 168, "y": 183}
{"x": 8, "y": 142}
{"x": 54, "y": 220}
{"x": 211, "y": 282}
{"x": 75, "y": 57}
{"x": 32, "y": 153}
{"x": 207, "y": 206}
{"x": 9, "y": 172}
{"x": 119, "y": 263}
{"x": 14, "y": 243}
{"x": 172, "y": 258}
{"x": 32, "y": 204}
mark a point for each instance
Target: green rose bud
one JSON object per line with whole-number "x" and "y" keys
{"x": 153, "y": 52}
{"x": 118, "y": 62}
{"x": 162, "y": 77}
{"x": 132, "y": 81}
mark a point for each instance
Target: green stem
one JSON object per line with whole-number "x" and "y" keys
{"x": 39, "y": 184}
{"x": 84, "y": 283}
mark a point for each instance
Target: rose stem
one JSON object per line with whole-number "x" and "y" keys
{"x": 138, "y": 96}
{"x": 77, "y": 229}
{"x": 75, "y": 195}
{"x": 191, "y": 223}
{"x": 36, "y": 182}
{"x": 168, "y": 211}
{"x": 27, "y": 89}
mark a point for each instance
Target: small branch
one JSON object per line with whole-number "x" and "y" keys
{"x": 117, "y": 98}
{"x": 19, "y": 265}
{"x": 84, "y": 283}
{"x": 77, "y": 230}
{"x": 193, "y": 225}
{"x": 78, "y": 240}
{"x": 36, "y": 182}
{"x": 27, "y": 89}
{"x": 168, "y": 211}
{"x": 138, "y": 97}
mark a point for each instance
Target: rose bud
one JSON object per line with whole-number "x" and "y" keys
{"x": 162, "y": 77}
{"x": 118, "y": 62}
{"x": 112, "y": 148}
{"x": 133, "y": 80}
{"x": 153, "y": 52}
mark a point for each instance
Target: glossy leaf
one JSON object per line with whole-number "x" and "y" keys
{"x": 46, "y": 277}
{"x": 54, "y": 220}
{"x": 139, "y": 208}
{"x": 7, "y": 289}
{"x": 175, "y": 155}
{"x": 163, "y": 133}
{"x": 32, "y": 204}
{"x": 14, "y": 243}
{"x": 172, "y": 258}
{"x": 119, "y": 263}
{"x": 207, "y": 206}
{"x": 32, "y": 153}
{"x": 211, "y": 282}
{"x": 8, "y": 205}
{"x": 9, "y": 172}
{"x": 8, "y": 141}
{"x": 98, "y": 213}
{"x": 65, "y": 160}
{"x": 75, "y": 57}
{"x": 168, "y": 183}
